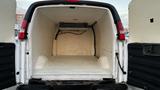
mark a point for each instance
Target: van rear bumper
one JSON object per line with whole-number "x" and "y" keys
{"x": 73, "y": 85}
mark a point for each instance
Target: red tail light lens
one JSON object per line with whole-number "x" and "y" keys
{"x": 121, "y": 31}
{"x": 121, "y": 37}
{"x": 24, "y": 24}
{"x": 22, "y": 33}
{"x": 21, "y": 36}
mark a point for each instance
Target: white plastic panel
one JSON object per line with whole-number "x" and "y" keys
{"x": 7, "y": 20}
{"x": 71, "y": 44}
{"x": 70, "y": 68}
{"x": 41, "y": 36}
{"x": 105, "y": 39}
{"x": 77, "y": 14}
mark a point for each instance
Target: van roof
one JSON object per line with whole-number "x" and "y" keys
{"x": 30, "y": 11}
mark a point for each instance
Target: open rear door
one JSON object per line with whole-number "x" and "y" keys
{"x": 144, "y": 44}
{"x": 144, "y": 65}
{"x": 7, "y": 45}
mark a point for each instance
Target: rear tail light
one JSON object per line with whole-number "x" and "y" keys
{"x": 121, "y": 31}
{"x": 21, "y": 36}
{"x": 22, "y": 33}
{"x": 24, "y": 24}
{"x": 72, "y": 0}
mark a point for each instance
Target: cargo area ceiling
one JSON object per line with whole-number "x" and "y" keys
{"x": 73, "y": 14}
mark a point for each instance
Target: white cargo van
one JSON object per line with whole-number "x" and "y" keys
{"x": 66, "y": 44}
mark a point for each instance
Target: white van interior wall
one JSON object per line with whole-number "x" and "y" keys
{"x": 105, "y": 40}
{"x": 41, "y": 37}
{"x": 72, "y": 44}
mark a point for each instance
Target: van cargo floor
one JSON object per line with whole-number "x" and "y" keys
{"x": 71, "y": 68}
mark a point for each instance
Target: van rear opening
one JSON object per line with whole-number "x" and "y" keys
{"x": 72, "y": 42}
